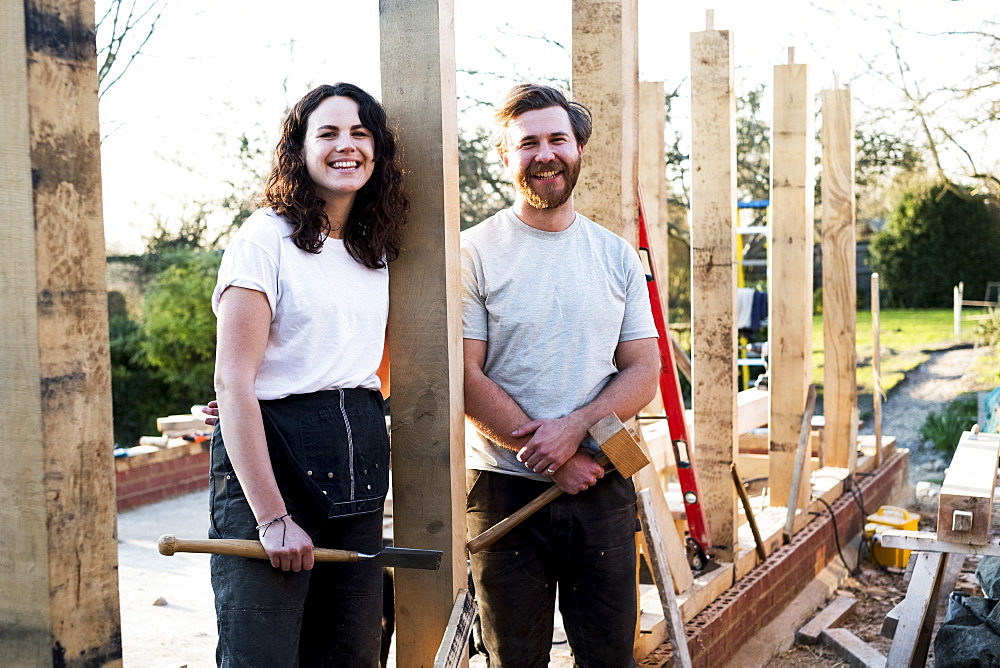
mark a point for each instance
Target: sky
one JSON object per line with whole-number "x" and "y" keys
{"x": 215, "y": 70}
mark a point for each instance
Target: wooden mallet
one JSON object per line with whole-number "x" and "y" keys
{"x": 619, "y": 450}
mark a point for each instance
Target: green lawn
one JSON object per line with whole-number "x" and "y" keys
{"x": 906, "y": 339}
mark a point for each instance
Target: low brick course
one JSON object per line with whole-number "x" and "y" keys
{"x": 154, "y": 476}
{"x": 767, "y": 589}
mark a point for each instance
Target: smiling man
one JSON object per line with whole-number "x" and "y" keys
{"x": 557, "y": 334}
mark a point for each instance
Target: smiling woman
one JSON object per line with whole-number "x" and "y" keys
{"x": 300, "y": 454}
{"x": 339, "y": 154}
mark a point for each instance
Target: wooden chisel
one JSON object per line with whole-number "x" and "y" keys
{"x": 395, "y": 557}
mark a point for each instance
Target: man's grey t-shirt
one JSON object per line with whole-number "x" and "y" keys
{"x": 552, "y": 307}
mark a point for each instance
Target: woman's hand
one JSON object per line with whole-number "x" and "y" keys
{"x": 288, "y": 545}
{"x": 211, "y": 412}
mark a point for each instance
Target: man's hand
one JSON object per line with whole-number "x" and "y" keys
{"x": 552, "y": 442}
{"x": 212, "y": 411}
{"x": 288, "y": 545}
{"x": 578, "y": 473}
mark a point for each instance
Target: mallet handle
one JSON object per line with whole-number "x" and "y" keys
{"x": 503, "y": 527}
{"x": 252, "y": 549}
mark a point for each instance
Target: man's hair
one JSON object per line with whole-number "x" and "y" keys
{"x": 371, "y": 233}
{"x": 530, "y": 97}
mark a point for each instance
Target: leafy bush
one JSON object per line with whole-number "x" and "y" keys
{"x": 179, "y": 326}
{"x": 944, "y": 429}
{"x": 936, "y": 238}
{"x": 988, "y": 331}
{"x": 139, "y": 394}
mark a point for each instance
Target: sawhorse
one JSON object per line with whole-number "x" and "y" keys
{"x": 936, "y": 567}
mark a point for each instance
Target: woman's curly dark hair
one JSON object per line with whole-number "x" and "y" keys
{"x": 371, "y": 233}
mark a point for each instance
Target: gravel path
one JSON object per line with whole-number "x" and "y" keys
{"x": 928, "y": 388}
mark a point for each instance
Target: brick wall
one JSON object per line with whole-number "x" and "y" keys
{"x": 717, "y": 633}
{"x": 164, "y": 474}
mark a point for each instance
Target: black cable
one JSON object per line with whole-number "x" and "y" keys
{"x": 852, "y": 487}
{"x": 836, "y": 538}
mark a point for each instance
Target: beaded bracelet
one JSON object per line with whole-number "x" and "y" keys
{"x": 266, "y": 525}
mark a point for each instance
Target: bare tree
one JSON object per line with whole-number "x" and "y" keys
{"x": 122, "y": 31}
{"x": 951, "y": 120}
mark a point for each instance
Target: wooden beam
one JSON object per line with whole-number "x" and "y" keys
{"x": 791, "y": 256}
{"x": 876, "y": 368}
{"x": 929, "y": 541}
{"x": 917, "y": 611}
{"x": 653, "y": 174}
{"x": 653, "y": 189}
{"x": 840, "y": 303}
{"x": 800, "y": 490}
{"x": 425, "y": 322}
{"x": 452, "y": 650}
{"x": 60, "y": 579}
{"x": 651, "y": 528}
{"x": 670, "y": 543}
{"x": 24, "y": 607}
{"x": 832, "y": 616}
{"x": 752, "y": 405}
{"x": 713, "y": 281}
{"x": 852, "y": 649}
{"x": 606, "y": 80}
{"x": 965, "y": 503}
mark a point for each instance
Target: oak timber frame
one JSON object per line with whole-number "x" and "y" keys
{"x": 59, "y": 556}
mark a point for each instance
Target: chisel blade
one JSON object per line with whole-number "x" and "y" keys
{"x": 402, "y": 557}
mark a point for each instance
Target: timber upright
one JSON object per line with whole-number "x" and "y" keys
{"x": 699, "y": 542}
{"x": 59, "y": 554}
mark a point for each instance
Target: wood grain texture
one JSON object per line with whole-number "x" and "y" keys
{"x": 452, "y": 650}
{"x": 833, "y": 615}
{"x": 790, "y": 260}
{"x": 67, "y": 401}
{"x": 671, "y": 544}
{"x": 662, "y": 573}
{"x": 425, "y": 321}
{"x": 653, "y": 175}
{"x": 24, "y": 608}
{"x": 917, "y": 611}
{"x": 968, "y": 487}
{"x": 619, "y": 444}
{"x": 877, "y": 368}
{"x": 840, "y": 304}
{"x": 713, "y": 281}
{"x": 852, "y": 649}
{"x": 606, "y": 80}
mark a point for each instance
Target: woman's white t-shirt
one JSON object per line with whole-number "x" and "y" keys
{"x": 328, "y": 311}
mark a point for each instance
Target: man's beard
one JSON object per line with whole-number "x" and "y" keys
{"x": 548, "y": 196}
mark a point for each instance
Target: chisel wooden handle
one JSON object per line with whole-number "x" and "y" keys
{"x": 503, "y": 527}
{"x": 252, "y": 549}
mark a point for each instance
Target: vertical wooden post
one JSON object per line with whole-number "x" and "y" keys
{"x": 713, "y": 280}
{"x": 877, "y": 368}
{"x": 840, "y": 303}
{"x": 24, "y": 607}
{"x": 425, "y": 321}
{"x": 957, "y": 308}
{"x": 59, "y": 552}
{"x": 606, "y": 81}
{"x": 791, "y": 262}
{"x": 653, "y": 185}
{"x": 652, "y": 173}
